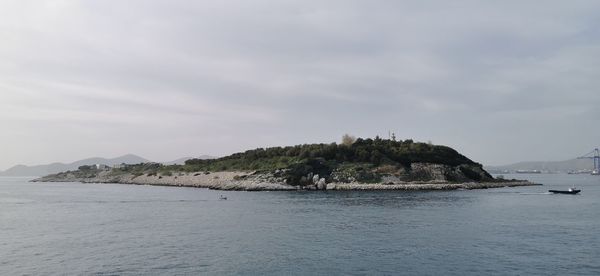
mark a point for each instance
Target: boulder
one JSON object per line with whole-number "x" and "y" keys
{"x": 322, "y": 184}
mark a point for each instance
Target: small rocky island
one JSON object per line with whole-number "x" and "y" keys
{"x": 356, "y": 164}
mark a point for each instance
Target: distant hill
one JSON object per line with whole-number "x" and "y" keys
{"x": 551, "y": 166}
{"x": 40, "y": 170}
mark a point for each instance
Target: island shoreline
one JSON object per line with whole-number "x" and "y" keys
{"x": 248, "y": 181}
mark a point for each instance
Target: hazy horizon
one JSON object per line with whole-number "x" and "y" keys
{"x": 212, "y": 156}
{"x": 501, "y": 82}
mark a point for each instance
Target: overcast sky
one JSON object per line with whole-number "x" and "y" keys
{"x": 500, "y": 81}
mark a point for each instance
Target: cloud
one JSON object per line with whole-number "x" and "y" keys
{"x": 189, "y": 77}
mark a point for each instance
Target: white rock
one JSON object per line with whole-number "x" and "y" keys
{"x": 321, "y": 184}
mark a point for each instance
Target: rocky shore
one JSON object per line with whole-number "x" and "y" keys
{"x": 250, "y": 181}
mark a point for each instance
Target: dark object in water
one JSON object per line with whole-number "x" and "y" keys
{"x": 222, "y": 197}
{"x": 571, "y": 191}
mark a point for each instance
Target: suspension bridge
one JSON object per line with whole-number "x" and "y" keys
{"x": 595, "y": 155}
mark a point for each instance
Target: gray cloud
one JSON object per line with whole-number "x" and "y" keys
{"x": 502, "y": 82}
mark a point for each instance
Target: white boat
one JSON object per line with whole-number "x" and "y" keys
{"x": 595, "y": 172}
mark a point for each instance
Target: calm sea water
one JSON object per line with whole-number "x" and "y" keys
{"x": 106, "y": 229}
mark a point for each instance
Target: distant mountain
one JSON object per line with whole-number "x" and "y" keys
{"x": 181, "y": 161}
{"x": 551, "y": 166}
{"x": 41, "y": 170}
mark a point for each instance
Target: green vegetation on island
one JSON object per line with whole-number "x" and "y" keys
{"x": 355, "y": 164}
{"x": 354, "y": 160}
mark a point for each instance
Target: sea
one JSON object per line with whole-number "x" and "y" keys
{"x": 114, "y": 229}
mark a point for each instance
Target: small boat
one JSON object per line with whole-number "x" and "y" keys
{"x": 222, "y": 197}
{"x": 571, "y": 191}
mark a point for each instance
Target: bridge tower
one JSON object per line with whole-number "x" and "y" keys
{"x": 595, "y": 155}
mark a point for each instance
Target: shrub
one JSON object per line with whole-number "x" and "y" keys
{"x": 85, "y": 168}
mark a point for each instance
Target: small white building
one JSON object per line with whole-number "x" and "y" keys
{"x": 101, "y": 167}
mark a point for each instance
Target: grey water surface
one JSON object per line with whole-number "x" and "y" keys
{"x": 113, "y": 229}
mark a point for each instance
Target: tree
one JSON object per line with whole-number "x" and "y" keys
{"x": 348, "y": 140}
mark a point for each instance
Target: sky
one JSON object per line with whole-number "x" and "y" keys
{"x": 500, "y": 81}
